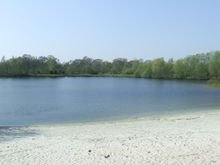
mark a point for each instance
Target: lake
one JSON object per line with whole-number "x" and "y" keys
{"x": 25, "y": 101}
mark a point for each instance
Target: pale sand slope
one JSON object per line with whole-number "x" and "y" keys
{"x": 182, "y": 139}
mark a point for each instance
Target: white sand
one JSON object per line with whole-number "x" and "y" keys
{"x": 182, "y": 139}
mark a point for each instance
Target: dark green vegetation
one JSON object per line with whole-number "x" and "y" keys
{"x": 195, "y": 67}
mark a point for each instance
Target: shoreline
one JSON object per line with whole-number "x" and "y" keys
{"x": 96, "y": 75}
{"x": 138, "y": 117}
{"x": 134, "y": 118}
{"x": 189, "y": 138}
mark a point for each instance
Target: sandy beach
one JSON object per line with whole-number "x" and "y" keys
{"x": 192, "y": 138}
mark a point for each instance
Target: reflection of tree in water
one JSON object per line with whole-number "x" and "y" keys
{"x": 10, "y": 133}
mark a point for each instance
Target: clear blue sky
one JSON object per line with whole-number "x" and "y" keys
{"x": 106, "y": 29}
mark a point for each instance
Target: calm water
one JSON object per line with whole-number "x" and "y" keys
{"x": 26, "y": 101}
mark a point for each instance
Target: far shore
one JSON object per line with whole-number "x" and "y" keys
{"x": 93, "y": 75}
{"x": 68, "y": 75}
{"x": 190, "y": 138}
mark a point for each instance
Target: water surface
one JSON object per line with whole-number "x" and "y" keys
{"x": 25, "y": 101}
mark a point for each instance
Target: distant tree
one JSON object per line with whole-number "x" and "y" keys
{"x": 198, "y": 67}
{"x": 158, "y": 68}
{"x": 118, "y": 65}
{"x": 96, "y": 66}
{"x": 180, "y": 69}
{"x": 214, "y": 65}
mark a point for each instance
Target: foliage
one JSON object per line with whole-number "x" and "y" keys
{"x": 198, "y": 67}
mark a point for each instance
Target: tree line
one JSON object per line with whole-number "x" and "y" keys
{"x": 203, "y": 66}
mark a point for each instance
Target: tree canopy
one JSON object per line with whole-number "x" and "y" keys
{"x": 197, "y": 67}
